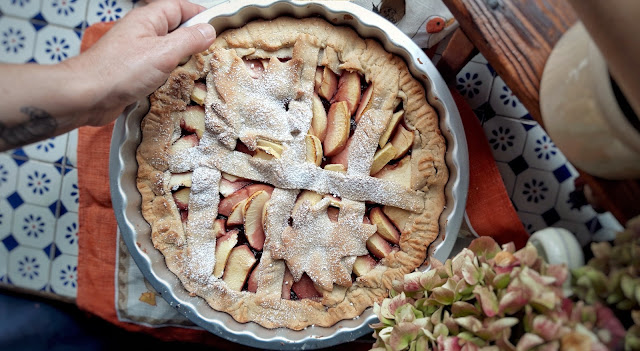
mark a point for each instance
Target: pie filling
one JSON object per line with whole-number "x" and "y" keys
{"x": 291, "y": 173}
{"x": 338, "y": 105}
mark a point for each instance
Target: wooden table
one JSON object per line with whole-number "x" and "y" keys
{"x": 516, "y": 37}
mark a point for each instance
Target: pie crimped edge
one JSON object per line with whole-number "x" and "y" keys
{"x": 339, "y": 48}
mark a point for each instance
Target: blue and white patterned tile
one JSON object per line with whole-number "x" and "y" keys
{"x": 21, "y": 8}
{"x": 17, "y": 38}
{"x": 6, "y": 219}
{"x": 504, "y": 102}
{"x": 39, "y": 183}
{"x": 570, "y": 206}
{"x": 72, "y": 148}
{"x": 610, "y": 227}
{"x": 506, "y": 137}
{"x": 67, "y": 233}
{"x": 474, "y": 83}
{"x": 107, "y": 10}
{"x": 49, "y": 150}
{"x": 66, "y": 13}
{"x": 69, "y": 196}
{"x": 610, "y": 222}
{"x": 479, "y": 58}
{"x": 33, "y": 226}
{"x": 540, "y": 152}
{"x": 535, "y": 191}
{"x": 4, "y": 262}
{"x": 531, "y": 222}
{"x": 55, "y": 44}
{"x": 64, "y": 275}
{"x": 8, "y": 175}
{"x": 29, "y": 268}
{"x": 508, "y": 177}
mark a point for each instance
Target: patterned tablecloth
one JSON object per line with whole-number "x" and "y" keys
{"x": 38, "y": 183}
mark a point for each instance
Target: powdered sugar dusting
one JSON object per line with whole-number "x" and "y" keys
{"x": 269, "y": 106}
{"x": 203, "y": 208}
{"x": 316, "y": 245}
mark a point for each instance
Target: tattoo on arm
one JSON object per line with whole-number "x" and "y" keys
{"x": 40, "y": 125}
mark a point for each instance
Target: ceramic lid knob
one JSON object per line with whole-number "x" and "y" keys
{"x": 558, "y": 246}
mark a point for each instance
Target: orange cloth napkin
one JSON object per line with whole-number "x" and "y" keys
{"x": 488, "y": 206}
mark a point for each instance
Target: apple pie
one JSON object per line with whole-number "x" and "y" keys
{"x": 292, "y": 172}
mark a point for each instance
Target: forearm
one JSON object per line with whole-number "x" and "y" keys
{"x": 41, "y": 101}
{"x": 132, "y": 60}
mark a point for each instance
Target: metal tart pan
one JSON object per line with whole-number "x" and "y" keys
{"x": 136, "y": 231}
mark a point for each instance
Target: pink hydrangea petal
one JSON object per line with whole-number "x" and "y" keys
{"x": 528, "y": 341}
{"x": 484, "y": 246}
{"x": 488, "y": 300}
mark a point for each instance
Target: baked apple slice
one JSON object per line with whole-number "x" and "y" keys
{"x": 181, "y": 198}
{"x": 378, "y": 246}
{"x": 348, "y": 90}
{"x": 239, "y": 264}
{"x": 179, "y": 180}
{"x": 226, "y": 205}
{"x": 381, "y": 158}
{"x": 199, "y": 93}
{"x": 252, "y": 282}
{"x": 402, "y": 140}
{"x": 384, "y": 225}
{"x": 220, "y": 227}
{"x": 236, "y": 217}
{"x": 224, "y": 245}
{"x": 305, "y": 289}
{"x": 338, "y": 128}
{"x": 365, "y": 103}
{"x": 314, "y": 149}
{"x": 227, "y": 188}
{"x": 391, "y": 126}
{"x": 319, "y": 119}
{"x": 363, "y": 265}
{"x": 181, "y": 145}
{"x": 252, "y": 213}
{"x": 336, "y": 167}
{"x": 192, "y": 120}
{"x": 273, "y": 149}
{"x": 328, "y": 84}
{"x": 306, "y": 195}
{"x": 397, "y": 216}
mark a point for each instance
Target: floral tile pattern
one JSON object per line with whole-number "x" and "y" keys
{"x": 39, "y": 182}
{"x": 55, "y": 44}
{"x": 29, "y": 268}
{"x": 107, "y": 10}
{"x": 21, "y": 8}
{"x": 474, "y": 83}
{"x": 68, "y": 13}
{"x": 64, "y": 275}
{"x": 537, "y": 176}
{"x": 17, "y": 40}
{"x": 49, "y": 150}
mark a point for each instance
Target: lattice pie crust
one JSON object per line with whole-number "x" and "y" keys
{"x": 291, "y": 173}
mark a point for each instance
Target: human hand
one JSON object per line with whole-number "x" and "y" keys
{"x": 136, "y": 56}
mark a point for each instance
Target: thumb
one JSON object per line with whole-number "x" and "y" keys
{"x": 190, "y": 40}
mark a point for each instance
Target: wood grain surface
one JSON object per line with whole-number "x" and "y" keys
{"x": 516, "y": 37}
